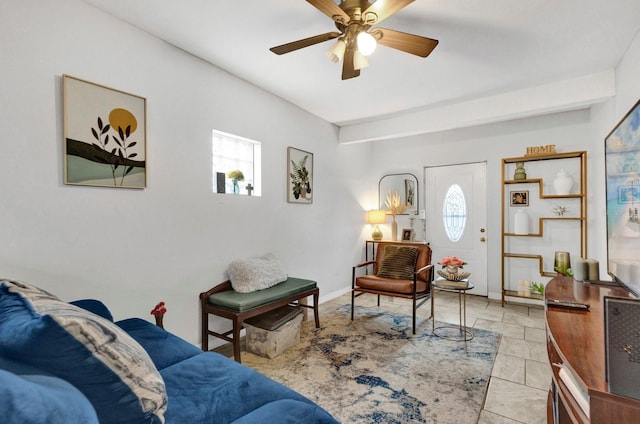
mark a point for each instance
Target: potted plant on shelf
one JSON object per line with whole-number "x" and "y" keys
{"x": 537, "y": 288}
{"x": 236, "y": 175}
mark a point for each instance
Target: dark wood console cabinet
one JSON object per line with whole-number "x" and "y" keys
{"x": 576, "y": 340}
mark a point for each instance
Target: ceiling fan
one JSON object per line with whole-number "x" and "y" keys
{"x": 357, "y": 37}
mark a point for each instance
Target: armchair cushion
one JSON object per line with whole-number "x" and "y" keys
{"x": 398, "y": 262}
{"x": 391, "y": 285}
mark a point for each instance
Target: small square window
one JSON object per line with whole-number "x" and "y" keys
{"x": 236, "y": 164}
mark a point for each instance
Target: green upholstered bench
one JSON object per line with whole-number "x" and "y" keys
{"x": 225, "y": 302}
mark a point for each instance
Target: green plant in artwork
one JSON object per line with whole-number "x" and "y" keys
{"x": 123, "y": 123}
{"x": 300, "y": 178}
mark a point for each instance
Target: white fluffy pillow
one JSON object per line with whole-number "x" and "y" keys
{"x": 253, "y": 274}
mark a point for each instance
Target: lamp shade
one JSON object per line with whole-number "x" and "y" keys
{"x": 376, "y": 217}
{"x": 336, "y": 51}
{"x": 366, "y": 43}
{"x": 359, "y": 61}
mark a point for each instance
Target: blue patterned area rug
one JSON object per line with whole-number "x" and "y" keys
{"x": 373, "y": 370}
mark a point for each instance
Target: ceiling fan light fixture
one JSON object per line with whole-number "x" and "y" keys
{"x": 366, "y": 43}
{"x": 336, "y": 51}
{"x": 359, "y": 61}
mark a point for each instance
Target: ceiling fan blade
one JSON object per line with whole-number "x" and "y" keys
{"x": 384, "y": 9}
{"x": 329, "y": 8}
{"x": 410, "y": 43}
{"x": 305, "y": 42}
{"x": 348, "y": 68}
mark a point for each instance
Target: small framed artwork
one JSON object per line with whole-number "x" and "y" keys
{"x": 410, "y": 193}
{"x": 407, "y": 234}
{"x": 629, "y": 194}
{"x": 299, "y": 176}
{"x": 519, "y": 198}
{"x": 104, "y": 136}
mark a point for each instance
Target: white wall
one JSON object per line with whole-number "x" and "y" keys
{"x": 174, "y": 239}
{"x": 569, "y": 131}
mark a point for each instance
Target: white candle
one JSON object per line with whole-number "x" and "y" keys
{"x": 593, "y": 272}
{"x": 580, "y": 270}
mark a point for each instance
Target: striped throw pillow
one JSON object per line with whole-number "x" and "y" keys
{"x": 398, "y": 262}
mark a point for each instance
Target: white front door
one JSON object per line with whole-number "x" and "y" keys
{"x": 456, "y": 217}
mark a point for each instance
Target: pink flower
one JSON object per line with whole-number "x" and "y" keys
{"x": 451, "y": 261}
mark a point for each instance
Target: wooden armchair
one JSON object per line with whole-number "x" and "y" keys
{"x": 399, "y": 269}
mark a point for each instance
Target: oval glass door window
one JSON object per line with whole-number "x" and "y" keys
{"x": 454, "y": 213}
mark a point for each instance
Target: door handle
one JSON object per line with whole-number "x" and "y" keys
{"x": 482, "y": 239}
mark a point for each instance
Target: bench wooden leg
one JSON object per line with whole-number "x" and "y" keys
{"x": 237, "y": 326}
{"x": 205, "y": 331}
{"x": 316, "y": 314}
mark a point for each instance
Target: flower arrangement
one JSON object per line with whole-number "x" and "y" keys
{"x": 236, "y": 174}
{"x": 451, "y": 261}
{"x": 394, "y": 204}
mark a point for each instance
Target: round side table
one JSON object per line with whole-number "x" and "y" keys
{"x": 460, "y": 332}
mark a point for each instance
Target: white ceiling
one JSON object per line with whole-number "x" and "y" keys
{"x": 487, "y": 48}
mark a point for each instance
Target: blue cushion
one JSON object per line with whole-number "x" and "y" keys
{"x": 164, "y": 348}
{"x": 37, "y": 399}
{"x": 287, "y": 411}
{"x": 94, "y": 306}
{"x": 221, "y": 390}
{"x": 90, "y": 352}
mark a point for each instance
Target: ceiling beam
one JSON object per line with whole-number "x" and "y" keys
{"x": 561, "y": 96}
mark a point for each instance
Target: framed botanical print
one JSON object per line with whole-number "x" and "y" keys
{"x": 299, "y": 176}
{"x": 104, "y": 136}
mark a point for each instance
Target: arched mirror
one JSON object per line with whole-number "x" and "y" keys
{"x": 405, "y": 186}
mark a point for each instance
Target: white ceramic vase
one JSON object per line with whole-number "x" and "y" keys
{"x": 563, "y": 183}
{"x": 521, "y": 222}
{"x": 394, "y": 229}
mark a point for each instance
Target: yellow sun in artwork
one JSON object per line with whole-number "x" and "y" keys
{"x": 122, "y": 118}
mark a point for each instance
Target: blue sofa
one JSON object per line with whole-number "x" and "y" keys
{"x": 70, "y": 362}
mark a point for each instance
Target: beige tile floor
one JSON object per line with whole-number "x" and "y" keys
{"x": 521, "y": 374}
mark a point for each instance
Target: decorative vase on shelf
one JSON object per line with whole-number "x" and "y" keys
{"x": 236, "y": 187}
{"x": 520, "y": 173}
{"x": 521, "y": 222}
{"x": 563, "y": 183}
{"x": 394, "y": 229}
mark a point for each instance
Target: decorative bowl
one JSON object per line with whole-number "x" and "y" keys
{"x": 454, "y": 277}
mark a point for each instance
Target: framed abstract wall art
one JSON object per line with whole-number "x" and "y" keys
{"x": 104, "y": 136}
{"x": 299, "y": 176}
